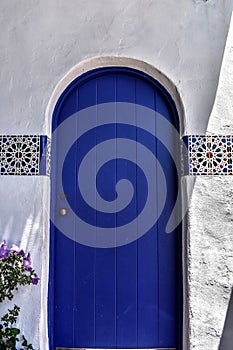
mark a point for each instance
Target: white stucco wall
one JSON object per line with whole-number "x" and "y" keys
{"x": 210, "y": 272}
{"x": 24, "y": 220}
{"x": 40, "y": 41}
{"x": 210, "y": 248}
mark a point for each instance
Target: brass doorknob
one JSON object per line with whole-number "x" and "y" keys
{"x": 62, "y": 212}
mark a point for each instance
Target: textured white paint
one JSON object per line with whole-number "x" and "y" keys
{"x": 210, "y": 256}
{"x": 24, "y": 221}
{"x": 210, "y": 223}
{"x": 221, "y": 118}
{"x": 40, "y": 41}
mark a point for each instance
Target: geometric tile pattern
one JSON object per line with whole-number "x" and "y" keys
{"x": 31, "y": 155}
{"x": 210, "y": 155}
{"x": 20, "y": 154}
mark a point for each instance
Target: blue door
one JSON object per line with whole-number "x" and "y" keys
{"x": 114, "y": 271}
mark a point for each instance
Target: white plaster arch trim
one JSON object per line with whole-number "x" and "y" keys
{"x": 114, "y": 61}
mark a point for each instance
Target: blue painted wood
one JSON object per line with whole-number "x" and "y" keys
{"x": 126, "y": 269}
{"x": 105, "y": 273}
{"x": 124, "y": 297}
{"x": 148, "y": 288}
{"x": 63, "y": 255}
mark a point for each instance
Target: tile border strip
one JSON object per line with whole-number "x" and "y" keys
{"x": 31, "y": 155}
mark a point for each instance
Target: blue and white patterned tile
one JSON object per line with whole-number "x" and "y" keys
{"x": 210, "y": 155}
{"x": 30, "y": 155}
{"x": 20, "y": 154}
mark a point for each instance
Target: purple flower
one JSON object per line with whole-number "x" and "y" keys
{"x": 4, "y": 252}
{"x": 27, "y": 262}
{"x": 17, "y": 250}
{"x": 35, "y": 280}
{"x": 3, "y": 244}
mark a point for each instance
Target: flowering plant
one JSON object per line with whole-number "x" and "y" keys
{"x": 15, "y": 270}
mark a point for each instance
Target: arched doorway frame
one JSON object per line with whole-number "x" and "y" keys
{"x": 110, "y": 61}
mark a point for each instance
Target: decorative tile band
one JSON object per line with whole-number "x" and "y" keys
{"x": 30, "y": 155}
{"x": 24, "y": 155}
{"x": 209, "y": 155}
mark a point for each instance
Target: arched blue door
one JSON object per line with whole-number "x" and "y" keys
{"x": 114, "y": 271}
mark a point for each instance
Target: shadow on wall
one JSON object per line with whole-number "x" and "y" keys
{"x": 226, "y": 342}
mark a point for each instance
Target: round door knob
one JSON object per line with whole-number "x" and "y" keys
{"x": 62, "y": 212}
